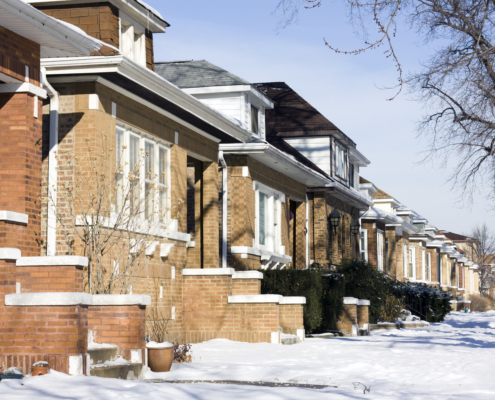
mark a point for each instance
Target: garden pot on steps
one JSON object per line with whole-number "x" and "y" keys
{"x": 40, "y": 368}
{"x": 160, "y": 359}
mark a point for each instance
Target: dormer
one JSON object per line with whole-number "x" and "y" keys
{"x": 125, "y": 26}
{"x": 366, "y": 188}
{"x": 232, "y": 96}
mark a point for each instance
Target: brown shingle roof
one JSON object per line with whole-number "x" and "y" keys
{"x": 456, "y": 237}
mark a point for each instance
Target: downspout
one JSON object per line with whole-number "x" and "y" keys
{"x": 224, "y": 208}
{"x": 51, "y": 229}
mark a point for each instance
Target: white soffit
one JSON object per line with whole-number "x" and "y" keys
{"x": 57, "y": 38}
{"x": 357, "y": 158}
{"x": 259, "y": 97}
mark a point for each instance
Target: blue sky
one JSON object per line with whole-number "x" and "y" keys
{"x": 242, "y": 38}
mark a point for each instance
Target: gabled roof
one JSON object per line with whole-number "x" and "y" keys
{"x": 456, "y": 237}
{"x": 380, "y": 194}
{"x": 293, "y": 116}
{"x": 195, "y": 74}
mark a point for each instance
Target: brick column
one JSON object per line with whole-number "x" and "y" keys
{"x": 349, "y": 317}
{"x": 363, "y": 313}
{"x": 211, "y": 216}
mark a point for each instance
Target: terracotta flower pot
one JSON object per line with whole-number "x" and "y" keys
{"x": 39, "y": 371}
{"x": 160, "y": 358}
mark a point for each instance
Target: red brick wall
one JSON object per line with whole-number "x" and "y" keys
{"x": 124, "y": 326}
{"x": 20, "y": 170}
{"x": 16, "y": 53}
{"x": 50, "y": 279}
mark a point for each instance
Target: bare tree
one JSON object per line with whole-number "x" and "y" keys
{"x": 481, "y": 250}
{"x": 110, "y": 218}
{"x": 456, "y": 84}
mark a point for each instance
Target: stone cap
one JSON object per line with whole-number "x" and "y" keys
{"x": 9, "y": 254}
{"x": 292, "y": 300}
{"x": 247, "y": 275}
{"x": 11, "y": 216}
{"x": 207, "y": 271}
{"x": 453, "y": 302}
{"x": 121, "y": 300}
{"x": 49, "y": 299}
{"x": 255, "y": 298}
{"x": 465, "y": 301}
{"x": 363, "y": 302}
{"x": 53, "y": 261}
{"x": 350, "y": 300}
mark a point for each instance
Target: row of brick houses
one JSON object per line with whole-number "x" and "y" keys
{"x": 234, "y": 178}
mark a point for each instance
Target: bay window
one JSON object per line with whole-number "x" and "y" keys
{"x": 268, "y": 234}
{"x": 142, "y": 175}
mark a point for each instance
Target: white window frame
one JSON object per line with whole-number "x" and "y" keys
{"x": 132, "y": 39}
{"x": 379, "y": 249}
{"x": 363, "y": 238}
{"x": 158, "y": 145}
{"x": 273, "y": 228}
{"x": 428, "y": 267}
{"x": 411, "y": 261}
{"x": 404, "y": 259}
{"x": 423, "y": 264}
{"x": 341, "y": 160}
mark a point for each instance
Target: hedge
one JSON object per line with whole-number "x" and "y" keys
{"x": 324, "y": 294}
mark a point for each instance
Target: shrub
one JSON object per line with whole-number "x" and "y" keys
{"x": 364, "y": 282}
{"x": 480, "y": 303}
{"x": 391, "y": 308}
{"x": 324, "y": 295}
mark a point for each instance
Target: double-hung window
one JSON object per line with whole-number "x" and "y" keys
{"x": 268, "y": 218}
{"x": 423, "y": 265}
{"x": 142, "y": 175}
{"x": 364, "y": 244}
{"x": 255, "y": 120}
{"x": 428, "y": 267}
{"x": 412, "y": 262}
{"x": 379, "y": 243}
{"x": 340, "y": 161}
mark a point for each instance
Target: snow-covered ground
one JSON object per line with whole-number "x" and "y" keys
{"x": 451, "y": 360}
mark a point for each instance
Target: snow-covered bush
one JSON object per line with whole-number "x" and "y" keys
{"x": 481, "y": 303}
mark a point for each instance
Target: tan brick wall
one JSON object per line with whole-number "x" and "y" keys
{"x": 246, "y": 286}
{"x": 348, "y": 318}
{"x": 291, "y": 318}
{"x": 363, "y": 315}
{"x": 211, "y": 216}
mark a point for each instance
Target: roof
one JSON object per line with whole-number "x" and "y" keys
{"x": 294, "y": 116}
{"x": 195, "y": 74}
{"x": 380, "y": 194}
{"x": 56, "y": 38}
{"x": 456, "y": 237}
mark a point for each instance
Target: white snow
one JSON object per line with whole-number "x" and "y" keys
{"x": 452, "y": 360}
{"x": 147, "y": 6}
{"x": 155, "y": 345}
{"x": 118, "y": 361}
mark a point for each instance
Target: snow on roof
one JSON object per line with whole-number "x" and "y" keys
{"x": 147, "y": 6}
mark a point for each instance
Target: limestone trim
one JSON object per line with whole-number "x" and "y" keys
{"x": 121, "y": 300}
{"x": 264, "y": 254}
{"x": 350, "y": 300}
{"x": 49, "y": 299}
{"x": 255, "y": 298}
{"x": 207, "y": 271}
{"x": 363, "y": 302}
{"x": 53, "y": 261}
{"x": 25, "y": 87}
{"x": 292, "y": 300}
{"x": 9, "y": 254}
{"x": 10, "y": 216}
{"x": 248, "y": 275}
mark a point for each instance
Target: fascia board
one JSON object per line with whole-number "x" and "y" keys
{"x": 148, "y": 79}
{"x": 356, "y": 155}
{"x": 275, "y": 154}
{"x": 341, "y": 189}
{"x": 262, "y": 100}
{"x": 368, "y": 186}
{"x": 392, "y": 201}
{"x": 84, "y": 43}
{"x": 156, "y": 25}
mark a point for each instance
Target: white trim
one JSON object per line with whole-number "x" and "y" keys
{"x": 121, "y": 300}
{"x": 49, "y": 299}
{"x": 247, "y": 275}
{"x": 11, "y": 216}
{"x": 261, "y": 99}
{"x": 364, "y": 237}
{"x": 165, "y": 249}
{"x": 207, "y": 271}
{"x": 363, "y": 302}
{"x": 255, "y": 298}
{"x": 53, "y": 261}
{"x": 23, "y": 88}
{"x": 264, "y": 254}
{"x": 93, "y": 101}
{"x": 288, "y": 300}
{"x": 380, "y": 245}
{"x": 350, "y": 300}
{"x": 9, "y": 254}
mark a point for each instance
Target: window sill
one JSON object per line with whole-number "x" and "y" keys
{"x": 265, "y": 255}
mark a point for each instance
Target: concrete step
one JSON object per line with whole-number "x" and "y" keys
{"x": 124, "y": 371}
{"x": 102, "y": 355}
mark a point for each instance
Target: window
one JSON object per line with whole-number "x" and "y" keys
{"x": 254, "y": 120}
{"x": 364, "y": 244}
{"x": 132, "y": 42}
{"x": 340, "y": 161}
{"x": 412, "y": 262}
{"x": 421, "y": 227}
{"x": 423, "y": 265}
{"x": 404, "y": 258}
{"x": 268, "y": 218}
{"x": 379, "y": 244}
{"x": 428, "y": 267}
{"x": 142, "y": 175}
{"x": 351, "y": 175}
{"x": 387, "y": 265}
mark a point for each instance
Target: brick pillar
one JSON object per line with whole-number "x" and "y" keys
{"x": 320, "y": 228}
{"x": 20, "y": 170}
{"x": 363, "y": 313}
{"x": 211, "y": 215}
{"x": 299, "y": 255}
{"x": 349, "y": 316}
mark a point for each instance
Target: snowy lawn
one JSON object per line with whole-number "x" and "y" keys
{"x": 451, "y": 360}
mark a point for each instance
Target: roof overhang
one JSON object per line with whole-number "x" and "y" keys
{"x": 393, "y": 202}
{"x": 389, "y": 219}
{"x": 358, "y": 158}
{"x": 260, "y": 100}
{"x": 143, "y": 83}
{"x": 138, "y": 10}
{"x": 278, "y": 160}
{"x": 424, "y": 238}
{"x": 56, "y": 38}
{"x": 435, "y": 244}
{"x": 368, "y": 186}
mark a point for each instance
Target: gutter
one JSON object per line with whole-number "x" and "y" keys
{"x": 148, "y": 79}
{"x": 224, "y": 207}
{"x": 51, "y": 229}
